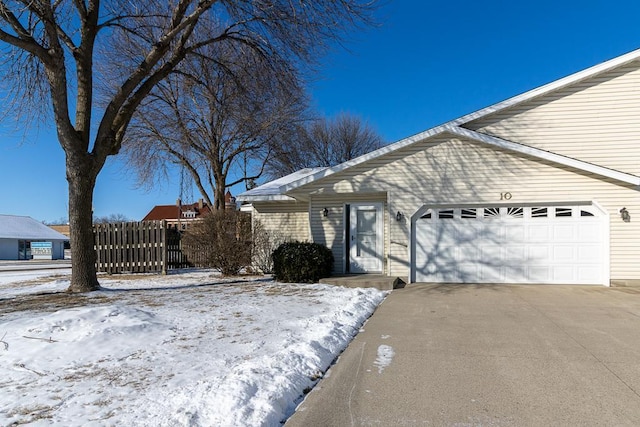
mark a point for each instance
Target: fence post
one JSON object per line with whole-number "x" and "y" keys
{"x": 165, "y": 248}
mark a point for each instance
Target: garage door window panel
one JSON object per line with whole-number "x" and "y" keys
{"x": 563, "y": 212}
{"x": 491, "y": 213}
{"x": 515, "y": 212}
{"x": 446, "y": 214}
{"x": 539, "y": 213}
{"x": 468, "y": 213}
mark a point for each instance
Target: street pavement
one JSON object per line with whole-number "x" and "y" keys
{"x": 488, "y": 355}
{"x": 31, "y": 265}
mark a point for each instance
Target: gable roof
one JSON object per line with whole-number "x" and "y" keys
{"x": 26, "y": 228}
{"x": 272, "y": 190}
{"x": 161, "y": 212}
{"x": 456, "y": 127}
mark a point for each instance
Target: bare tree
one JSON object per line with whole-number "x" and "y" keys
{"x": 91, "y": 64}
{"x": 110, "y": 219}
{"x": 63, "y": 220}
{"x": 323, "y": 143}
{"x": 215, "y": 122}
{"x": 221, "y": 240}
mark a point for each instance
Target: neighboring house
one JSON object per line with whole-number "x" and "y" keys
{"x": 22, "y": 237}
{"x": 180, "y": 215}
{"x": 540, "y": 188}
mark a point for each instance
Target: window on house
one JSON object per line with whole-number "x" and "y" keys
{"x": 189, "y": 214}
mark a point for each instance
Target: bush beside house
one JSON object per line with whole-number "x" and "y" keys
{"x": 222, "y": 240}
{"x": 298, "y": 262}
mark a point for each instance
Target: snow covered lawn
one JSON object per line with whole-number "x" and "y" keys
{"x": 187, "y": 349}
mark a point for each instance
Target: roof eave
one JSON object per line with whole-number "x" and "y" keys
{"x": 265, "y": 198}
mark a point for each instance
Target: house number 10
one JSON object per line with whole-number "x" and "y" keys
{"x": 505, "y": 196}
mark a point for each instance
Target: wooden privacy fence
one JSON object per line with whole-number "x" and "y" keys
{"x": 139, "y": 247}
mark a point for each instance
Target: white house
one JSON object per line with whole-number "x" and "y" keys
{"x": 22, "y": 237}
{"x": 540, "y": 188}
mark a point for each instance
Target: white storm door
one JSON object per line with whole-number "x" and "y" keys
{"x": 366, "y": 238}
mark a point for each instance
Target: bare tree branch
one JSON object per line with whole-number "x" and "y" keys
{"x": 209, "y": 118}
{"x": 324, "y": 143}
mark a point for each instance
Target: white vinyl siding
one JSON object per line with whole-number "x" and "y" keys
{"x": 452, "y": 171}
{"x": 290, "y": 219}
{"x": 596, "y": 120}
{"x": 330, "y": 230}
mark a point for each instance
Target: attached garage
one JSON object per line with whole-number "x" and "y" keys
{"x": 546, "y": 244}
{"x": 541, "y": 188}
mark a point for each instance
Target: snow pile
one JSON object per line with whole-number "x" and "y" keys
{"x": 176, "y": 350}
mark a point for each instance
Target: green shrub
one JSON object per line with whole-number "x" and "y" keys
{"x": 298, "y": 262}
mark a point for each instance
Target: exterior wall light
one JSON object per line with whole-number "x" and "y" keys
{"x": 325, "y": 212}
{"x": 399, "y": 216}
{"x": 624, "y": 214}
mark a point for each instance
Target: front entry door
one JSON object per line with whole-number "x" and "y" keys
{"x": 366, "y": 238}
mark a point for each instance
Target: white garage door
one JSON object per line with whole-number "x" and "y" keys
{"x": 512, "y": 244}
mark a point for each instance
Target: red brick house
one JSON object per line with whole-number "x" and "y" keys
{"x": 180, "y": 215}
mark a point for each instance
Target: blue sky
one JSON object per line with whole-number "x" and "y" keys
{"x": 427, "y": 62}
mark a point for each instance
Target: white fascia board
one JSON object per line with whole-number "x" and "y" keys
{"x": 556, "y": 84}
{"x": 273, "y": 188}
{"x": 545, "y": 155}
{"x": 364, "y": 158}
{"x": 270, "y": 198}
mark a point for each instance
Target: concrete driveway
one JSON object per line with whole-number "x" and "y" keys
{"x": 488, "y": 355}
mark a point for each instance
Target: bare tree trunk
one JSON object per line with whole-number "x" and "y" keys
{"x": 82, "y": 178}
{"x": 219, "y": 200}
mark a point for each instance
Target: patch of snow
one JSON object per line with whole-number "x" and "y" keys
{"x": 189, "y": 349}
{"x": 15, "y": 282}
{"x": 385, "y": 356}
